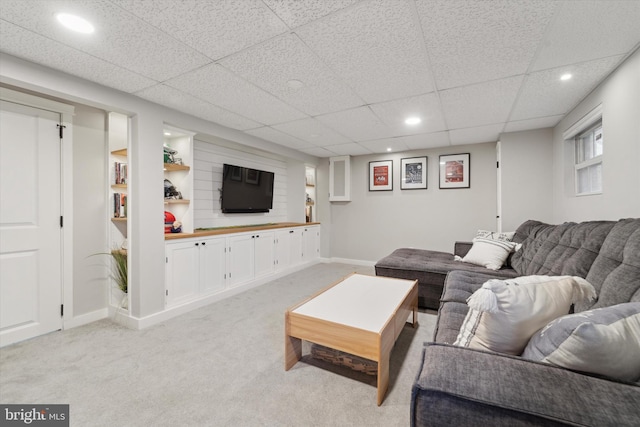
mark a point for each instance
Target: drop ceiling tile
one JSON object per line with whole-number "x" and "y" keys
{"x": 427, "y": 140}
{"x": 272, "y": 64}
{"x": 350, "y": 149}
{"x": 480, "y": 104}
{"x": 544, "y": 94}
{"x": 312, "y": 131}
{"x": 319, "y": 152}
{"x": 35, "y": 48}
{"x": 588, "y": 30}
{"x": 119, "y": 38}
{"x": 476, "y": 135}
{"x": 173, "y": 98}
{"x": 218, "y": 86}
{"x": 215, "y": 28}
{"x": 358, "y": 124}
{"x": 278, "y": 137}
{"x": 385, "y": 145}
{"x": 300, "y": 12}
{"x": 474, "y": 41}
{"x": 375, "y": 46}
{"x": 540, "y": 123}
{"x": 427, "y": 107}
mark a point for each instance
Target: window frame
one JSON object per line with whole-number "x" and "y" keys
{"x": 587, "y": 124}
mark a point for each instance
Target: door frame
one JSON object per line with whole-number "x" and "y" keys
{"x": 66, "y": 188}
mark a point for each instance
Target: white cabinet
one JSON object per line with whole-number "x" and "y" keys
{"x": 295, "y": 246}
{"x": 282, "y": 250}
{"x": 340, "y": 179}
{"x": 240, "y": 256}
{"x": 199, "y": 267}
{"x": 182, "y": 271}
{"x": 263, "y": 260}
{"x": 194, "y": 267}
{"x": 213, "y": 265}
{"x": 310, "y": 243}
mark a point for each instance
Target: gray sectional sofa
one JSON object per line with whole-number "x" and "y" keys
{"x": 468, "y": 387}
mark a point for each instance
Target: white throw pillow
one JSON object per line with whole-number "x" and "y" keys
{"x": 603, "y": 341}
{"x": 488, "y": 253}
{"x": 504, "y": 314}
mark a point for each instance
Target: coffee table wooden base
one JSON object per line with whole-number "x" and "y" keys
{"x": 374, "y": 346}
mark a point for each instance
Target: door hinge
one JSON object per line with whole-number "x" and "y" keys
{"x": 498, "y": 165}
{"x": 61, "y": 130}
{"x": 166, "y": 260}
{"x": 61, "y": 310}
{"x": 61, "y": 221}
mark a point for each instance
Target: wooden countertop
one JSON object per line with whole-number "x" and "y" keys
{"x": 236, "y": 229}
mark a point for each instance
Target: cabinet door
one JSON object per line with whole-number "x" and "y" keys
{"x": 311, "y": 242}
{"x": 181, "y": 271}
{"x": 213, "y": 266}
{"x": 295, "y": 246}
{"x": 263, "y": 253}
{"x": 240, "y": 256}
{"x": 340, "y": 179}
{"x": 282, "y": 250}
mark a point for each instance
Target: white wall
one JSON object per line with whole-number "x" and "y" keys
{"x": 620, "y": 98}
{"x": 375, "y": 223}
{"x": 90, "y": 212}
{"x": 527, "y": 178}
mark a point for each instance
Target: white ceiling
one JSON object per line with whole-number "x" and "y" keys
{"x": 470, "y": 69}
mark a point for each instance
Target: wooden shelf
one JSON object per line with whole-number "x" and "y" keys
{"x": 172, "y": 167}
{"x": 119, "y": 219}
{"x": 310, "y": 185}
{"x": 119, "y": 186}
{"x": 122, "y": 152}
{"x": 176, "y": 201}
{"x": 310, "y": 203}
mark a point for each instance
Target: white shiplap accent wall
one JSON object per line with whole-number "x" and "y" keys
{"x": 208, "y": 161}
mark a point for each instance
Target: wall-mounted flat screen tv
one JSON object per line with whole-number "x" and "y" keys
{"x": 246, "y": 190}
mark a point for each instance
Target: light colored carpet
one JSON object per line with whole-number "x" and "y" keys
{"x": 221, "y": 365}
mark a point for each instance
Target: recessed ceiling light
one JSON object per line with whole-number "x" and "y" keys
{"x": 565, "y": 76}
{"x": 295, "y": 84}
{"x": 167, "y": 133}
{"x": 75, "y": 23}
{"x": 413, "y": 120}
{"x": 389, "y": 149}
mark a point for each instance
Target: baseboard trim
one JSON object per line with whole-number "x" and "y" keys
{"x": 186, "y": 307}
{"x": 353, "y": 261}
{"x": 84, "y": 319}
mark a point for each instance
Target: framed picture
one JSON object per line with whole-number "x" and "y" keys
{"x": 414, "y": 173}
{"x": 381, "y": 175}
{"x": 455, "y": 171}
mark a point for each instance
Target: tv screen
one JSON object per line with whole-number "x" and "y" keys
{"x": 246, "y": 190}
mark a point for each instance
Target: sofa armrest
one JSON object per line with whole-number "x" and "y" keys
{"x": 461, "y": 248}
{"x": 457, "y": 385}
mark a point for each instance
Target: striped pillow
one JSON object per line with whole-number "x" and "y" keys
{"x": 488, "y": 253}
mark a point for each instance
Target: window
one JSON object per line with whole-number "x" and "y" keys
{"x": 587, "y": 138}
{"x": 588, "y": 160}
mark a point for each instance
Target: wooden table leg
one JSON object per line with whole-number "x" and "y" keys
{"x": 383, "y": 377}
{"x": 415, "y": 313}
{"x": 292, "y": 346}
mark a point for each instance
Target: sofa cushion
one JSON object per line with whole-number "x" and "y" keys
{"x": 567, "y": 249}
{"x": 489, "y": 253}
{"x": 504, "y": 314}
{"x": 464, "y": 387}
{"x": 603, "y": 341}
{"x": 616, "y": 270}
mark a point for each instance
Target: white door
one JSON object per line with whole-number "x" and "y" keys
{"x": 263, "y": 253}
{"x": 213, "y": 265}
{"x": 182, "y": 271}
{"x": 30, "y": 232}
{"x": 240, "y": 258}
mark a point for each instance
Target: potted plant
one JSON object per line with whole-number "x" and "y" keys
{"x": 120, "y": 273}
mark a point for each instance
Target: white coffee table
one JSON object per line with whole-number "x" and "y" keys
{"x": 361, "y": 315}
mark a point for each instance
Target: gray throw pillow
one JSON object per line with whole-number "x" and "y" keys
{"x": 603, "y": 341}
